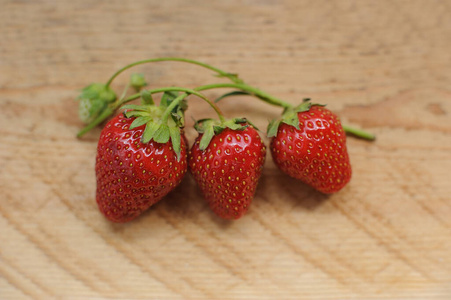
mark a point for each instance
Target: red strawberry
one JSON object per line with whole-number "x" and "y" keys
{"x": 314, "y": 152}
{"x": 227, "y": 165}
{"x": 138, "y": 162}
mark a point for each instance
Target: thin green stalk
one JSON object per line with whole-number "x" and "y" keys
{"x": 103, "y": 116}
{"x": 253, "y": 91}
{"x": 124, "y": 92}
{"x": 359, "y": 133}
{"x": 220, "y": 72}
{"x": 176, "y": 89}
{"x": 237, "y": 83}
{"x": 177, "y": 100}
{"x": 244, "y": 87}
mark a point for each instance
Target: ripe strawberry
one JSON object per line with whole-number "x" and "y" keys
{"x": 226, "y": 162}
{"x": 309, "y": 144}
{"x": 138, "y": 162}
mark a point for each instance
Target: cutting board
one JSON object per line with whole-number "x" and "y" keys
{"x": 383, "y": 66}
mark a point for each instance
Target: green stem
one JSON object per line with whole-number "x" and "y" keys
{"x": 232, "y": 77}
{"x": 111, "y": 109}
{"x": 237, "y": 83}
{"x": 359, "y": 133}
{"x": 253, "y": 91}
{"x": 171, "y": 89}
{"x": 103, "y": 116}
{"x": 177, "y": 101}
{"x": 124, "y": 92}
{"x": 244, "y": 87}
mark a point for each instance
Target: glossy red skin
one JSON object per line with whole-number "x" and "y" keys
{"x": 228, "y": 171}
{"x": 132, "y": 176}
{"x": 315, "y": 154}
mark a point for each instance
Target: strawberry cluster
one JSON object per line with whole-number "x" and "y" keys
{"x": 142, "y": 153}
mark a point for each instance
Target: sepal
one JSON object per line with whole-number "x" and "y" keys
{"x": 273, "y": 127}
{"x": 93, "y": 101}
{"x": 210, "y": 127}
{"x": 290, "y": 117}
{"x": 151, "y": 116}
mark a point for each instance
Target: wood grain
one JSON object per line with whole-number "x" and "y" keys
{"x": 381, "y": 65}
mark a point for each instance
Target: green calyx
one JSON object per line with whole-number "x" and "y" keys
{"x": 210, "y": 127}
{"x": 290, "y": 117}
{"x": 159, "y": 128}
{"x": 93, "y": 101}
{"x": 98, "y": 91}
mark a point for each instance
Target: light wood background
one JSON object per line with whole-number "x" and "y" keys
{"x": 382, "y": 65}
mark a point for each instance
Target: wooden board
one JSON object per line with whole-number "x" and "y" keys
{"x": 382, "y": 65}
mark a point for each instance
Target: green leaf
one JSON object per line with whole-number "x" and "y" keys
{"x": 167, "y": 98}
{"x": 234, "y": 93}
{"x": 291, "y": 119}
{"x": 304, "y": 106}
{"x": 135, "y": 113}
{"x": 98, "y": 91}
{"x": 175, "y": 139}
{"x": 146, "y": 98}
{"x": 149, "y": 131}
{"x": 183, "y": 105}
{"x": 178, "y": 113}
{"x": 206, "y": 138}
{"x": 140, "y": 121}
{"x": 218, "y": 129}
{"x": 199, "y": 125}
{"x": 273, "y": 127}
{"x": 253, "y": 125}
{"x": 244, "y": 120}
{"x": 162, "y": 134}
{"x": 134, "y": 107}
{"x": 240, "y": 120}
{"x": 179, "y": 119}
{"x": 176, "y": 117}
{"x": 235, "y": 126}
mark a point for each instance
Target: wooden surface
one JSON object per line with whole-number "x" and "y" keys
{"x": 381, "y": 65}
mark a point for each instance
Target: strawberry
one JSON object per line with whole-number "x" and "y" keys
{"x": 226, "y": 162}
{"x": 309, "y": 144}
{"x": 140, "y": 159}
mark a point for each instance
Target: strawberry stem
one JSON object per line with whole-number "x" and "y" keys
{"x": 232, "y": 77}
{"x": 103, "y": 116}
{"x": 176, "y": 89}
{"x": 237, "y": 83}
{"x": 184, "y": 95}
{"x": 244, "y": 87}
{"x": 359, "y": 133}
{"x": 253, "y": 91}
